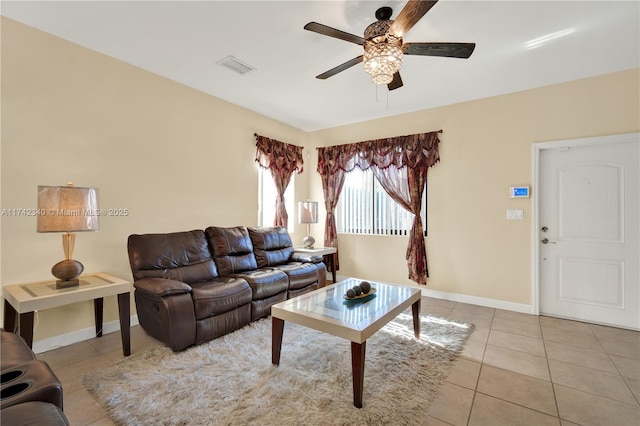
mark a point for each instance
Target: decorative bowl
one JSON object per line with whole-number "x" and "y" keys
{"x": 362, "y": 296}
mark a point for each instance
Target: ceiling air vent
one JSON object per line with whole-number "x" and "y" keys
{"x": 235, "y": 65}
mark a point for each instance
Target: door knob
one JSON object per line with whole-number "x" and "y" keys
{"x": 546, "y": 241}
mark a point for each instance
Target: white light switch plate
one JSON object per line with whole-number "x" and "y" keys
{"x": 515, "y": 214}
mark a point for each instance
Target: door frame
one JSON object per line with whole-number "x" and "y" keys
{"x": 537, "y": 148}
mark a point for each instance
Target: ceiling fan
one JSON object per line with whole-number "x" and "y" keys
{"x": 383, "y": 46}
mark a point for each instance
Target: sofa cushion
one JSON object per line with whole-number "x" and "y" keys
{"x": 262, "y": 308}
{"x": 232, "y": 249}
{"x": 219, "y": 295}
{"x": 300, "y": 274}
{"x": 180, "y": 256}
{"x": 265, "y": 282}
{"x": 271, "y": 246}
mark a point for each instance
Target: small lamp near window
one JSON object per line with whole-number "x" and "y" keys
{"x": 67, "y": 209}
{"x": 308, "y": 213}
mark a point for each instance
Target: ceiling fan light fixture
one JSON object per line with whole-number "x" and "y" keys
{"x": 383, "y": 46}
{"x": 382, "y": 60}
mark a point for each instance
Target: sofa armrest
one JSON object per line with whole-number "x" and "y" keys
{"x": 306, "y": 257}
{"x": 161, "y": 286}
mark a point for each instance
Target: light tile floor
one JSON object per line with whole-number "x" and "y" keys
{"x": 516, "y": 369}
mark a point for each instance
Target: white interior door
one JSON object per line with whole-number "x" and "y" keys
{"x": 589, "y": 232}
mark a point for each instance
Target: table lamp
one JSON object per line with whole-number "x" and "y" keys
{"x": 308, "y": 213}
{"x": 67, "y": 209}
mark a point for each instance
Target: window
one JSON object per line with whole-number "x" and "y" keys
{"x": 365, "y": 208}
{"x": 267, "y": 199}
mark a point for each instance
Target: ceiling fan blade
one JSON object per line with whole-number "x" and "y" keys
{"x": 340, "y": 68}
{"x": 332, "y": 32}
{"x": 409, "y": 16}
{"x": 449, "y": 50}
{"x": 396, "y": 83}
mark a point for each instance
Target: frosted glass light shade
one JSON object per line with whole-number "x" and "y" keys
{"x": 382, "y": 61}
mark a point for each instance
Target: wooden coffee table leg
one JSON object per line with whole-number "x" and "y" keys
{"x": 416, "y": 318}
{"x": 276, "y": 339}
{"x": 357, "y": 370}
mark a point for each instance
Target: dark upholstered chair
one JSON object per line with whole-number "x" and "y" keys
{"x": 180, "y": 297}
{"x": 31, "y": 393}
{"x": 195, "y": 286}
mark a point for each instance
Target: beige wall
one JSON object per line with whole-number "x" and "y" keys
{"x": 178, "y": 159}
{"x": 486, "y": 147}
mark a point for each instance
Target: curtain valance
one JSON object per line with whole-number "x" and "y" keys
{"x": 275, "y": 155}
{"x": 282, "y": 160}
{"x": 400, "y": 164}
{"x": 419, "y": 150}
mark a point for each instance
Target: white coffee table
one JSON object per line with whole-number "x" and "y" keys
{"x": 325, "y": 310}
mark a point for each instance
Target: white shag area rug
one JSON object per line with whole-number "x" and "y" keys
{"x": 231, "y": 381}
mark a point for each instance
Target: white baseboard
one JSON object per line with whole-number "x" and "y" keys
{"x": 473, "y": 300}
{"x": 481, "y": 301}
{"x": 61, "y": 340}
{"x": 67, "y": 339}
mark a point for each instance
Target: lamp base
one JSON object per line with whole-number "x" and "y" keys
{"x": 308, "y": 241}
{"x": 66, "y": 284}
{"x": 67, "y": 273}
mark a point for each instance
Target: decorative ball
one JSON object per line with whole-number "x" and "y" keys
{"x": 350, "y": 293}
{"x": 357, "y": 289}
{"x": 365, "y": 286}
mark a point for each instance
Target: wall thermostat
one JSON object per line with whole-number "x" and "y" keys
{"x": 519, "y": 192}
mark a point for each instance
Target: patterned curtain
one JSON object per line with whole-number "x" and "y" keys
{"x": 400, "y": 164}
{"x": 282, "y": 160}
{"x": 405, "y": 187}
{"x": 332, "y": 187}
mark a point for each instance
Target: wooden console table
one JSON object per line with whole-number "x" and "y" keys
{"x": 21, "y": 300}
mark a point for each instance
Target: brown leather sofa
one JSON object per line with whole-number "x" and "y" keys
{"x": 31, "y": 393}
{"x": 195, "y": 286}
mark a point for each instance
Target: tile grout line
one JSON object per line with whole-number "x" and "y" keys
{"x": 553, "y": 388}
{"x": 615, "y": 366}
{"x": 475, "y": 390}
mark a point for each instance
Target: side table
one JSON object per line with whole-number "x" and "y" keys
{"x": 327, "y": 252}
{"x": 21, "y": 300}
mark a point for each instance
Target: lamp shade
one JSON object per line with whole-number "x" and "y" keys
{"x": 308, "y": 212}
{"x": 67, "y": 209}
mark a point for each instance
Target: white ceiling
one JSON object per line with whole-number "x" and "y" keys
{"x": 183, "y": 41}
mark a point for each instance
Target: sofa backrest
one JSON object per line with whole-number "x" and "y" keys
{"x": 271, "y": 246}
{"x": 232, "y": 249}
{"x": 181, "y": 256}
